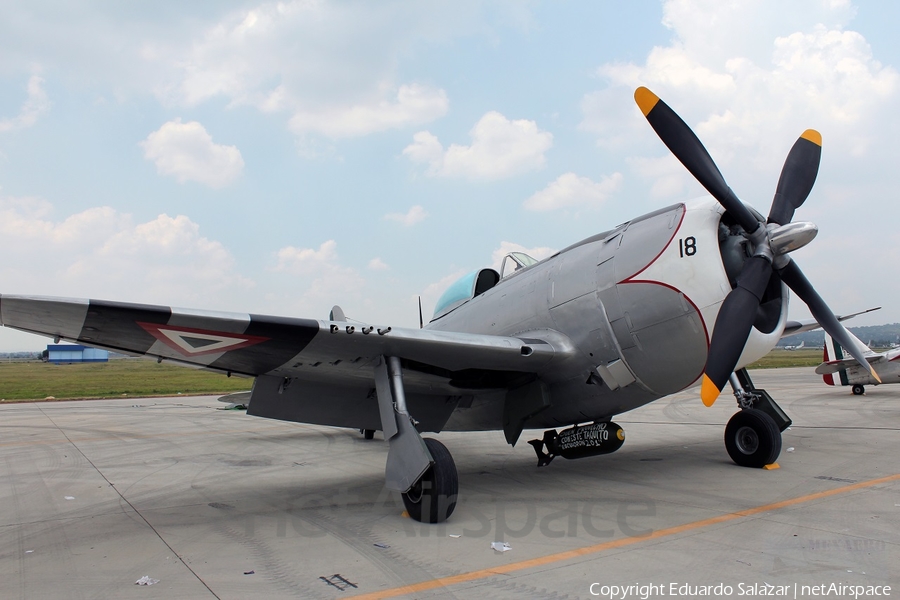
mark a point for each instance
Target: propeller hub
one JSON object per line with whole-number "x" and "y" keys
{"x": 790, "y": 237}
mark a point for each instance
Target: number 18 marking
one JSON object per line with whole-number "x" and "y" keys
{"x": 687, "y": 246}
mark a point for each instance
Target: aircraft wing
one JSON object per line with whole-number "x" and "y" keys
{"x": 252, "y": 345}
{"x": 833, "y": 366}
{"x": 795, "y": 327}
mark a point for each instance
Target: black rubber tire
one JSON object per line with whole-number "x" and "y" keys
{"x": 858, "y": 390}
{"x": 433, "y": 498}
{"x": 369, "y": 434}
{"x": 752, "y": 438}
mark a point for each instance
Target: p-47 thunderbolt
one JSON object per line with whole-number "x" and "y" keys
{"x": 688, "y": 294}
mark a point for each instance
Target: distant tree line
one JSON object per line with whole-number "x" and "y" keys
{"x": 22, "y": 355}
{"x": 877, "y": 336}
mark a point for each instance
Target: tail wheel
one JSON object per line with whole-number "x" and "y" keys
{"x": 858, "y": 390}
{"x": 433, "y": 498}
{"x": 752, "y": 438}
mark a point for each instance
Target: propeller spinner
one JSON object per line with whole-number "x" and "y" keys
{"x": 770, "y": 242}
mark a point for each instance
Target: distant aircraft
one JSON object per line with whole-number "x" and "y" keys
{"x": 795, "y": 347}
{"x": 841, "y": 369}
{"x": 607, "y": 325}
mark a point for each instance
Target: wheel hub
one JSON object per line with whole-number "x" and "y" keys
{"x": 747, "y": 440}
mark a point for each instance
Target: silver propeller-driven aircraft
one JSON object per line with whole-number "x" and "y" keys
{"x": 841, "y": 369}
{"x": 687, "y": 294}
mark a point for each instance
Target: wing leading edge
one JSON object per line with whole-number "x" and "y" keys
{"x": 252, "y": 345}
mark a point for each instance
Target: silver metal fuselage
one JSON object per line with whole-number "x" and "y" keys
{"x": 643, "y": 296}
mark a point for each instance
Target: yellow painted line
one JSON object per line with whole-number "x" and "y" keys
{"x": 579, "y": 552}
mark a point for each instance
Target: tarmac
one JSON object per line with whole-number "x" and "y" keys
{"x": 212, "y": 503}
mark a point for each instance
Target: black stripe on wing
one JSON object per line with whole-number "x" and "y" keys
{"x": 114, "y": 325}
{"x": 285, "y": 338}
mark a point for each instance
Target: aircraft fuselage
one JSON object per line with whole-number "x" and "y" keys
{"x": 638, "y": 303}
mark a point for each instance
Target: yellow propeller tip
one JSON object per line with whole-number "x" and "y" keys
{"x": 813, "y": 136}
{"x": 875, "y": 375}
{"x": 708, "y": 391}
{"x": 645, "y": 99}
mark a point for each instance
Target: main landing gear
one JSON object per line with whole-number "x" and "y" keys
{"x": 753, "y": 435}
{"x": 433, "y": 497}
{"x": 858, "y": 390}
{"x": 422, "y": 470}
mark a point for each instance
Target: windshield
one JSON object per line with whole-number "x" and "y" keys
{"x": 514, "y": 261}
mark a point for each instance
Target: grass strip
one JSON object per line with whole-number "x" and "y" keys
{"x": 136, "y": 377}
{"x": 129, "y": 377}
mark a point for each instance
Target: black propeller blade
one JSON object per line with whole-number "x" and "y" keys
{"x": 797, "y": 281}
{"x": 736, "y": 317}
{"x": 738, "y": 312}
{"x": 797, "y": 177}
{"x": 687, "y": 148}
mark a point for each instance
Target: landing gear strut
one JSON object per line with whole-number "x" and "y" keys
{"x": 753, "y": 435}
{"x": 422, "y": 470}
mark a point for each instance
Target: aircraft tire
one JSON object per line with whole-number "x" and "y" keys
{"x": 369, "y": 434}
{"x": 858, "y": 390}
{"x": 752, "y": 438}
{"x": 433, "y": 498}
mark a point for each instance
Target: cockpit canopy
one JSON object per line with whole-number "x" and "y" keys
{"x": 514, "y": 261}
{"x": 477, "y": 282}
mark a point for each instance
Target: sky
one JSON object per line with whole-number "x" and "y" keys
{"x": 281, "y": 158}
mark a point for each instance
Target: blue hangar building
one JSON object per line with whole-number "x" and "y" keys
{"x": 75, "y": 353}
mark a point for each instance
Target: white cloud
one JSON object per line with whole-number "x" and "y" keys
{"x": 34, "y": 106}
{"x": 500, "y": 148}
{"x": 376, "y": 264}
{"x": 571, "y": 191}
{"x": 321, "y": 280}
{"x": 186, "y": 151}
{"x": 305, "y": 261}
{"x": 414, "y": 215}
{"x": 414, "y": 105}
{"x": 749, "y": 84}
{"x": 330, "y": 68}
{"x": 100, "y": 252}
{"x": 668, "y": 177}
{"x": 325, "y": 68}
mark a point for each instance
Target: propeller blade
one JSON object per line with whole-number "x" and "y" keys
{"x": 688, "y": 148}
{"x": 797, "y": 281}
{"x": 733, "y": 326}
{"x": 797, "y": 177}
